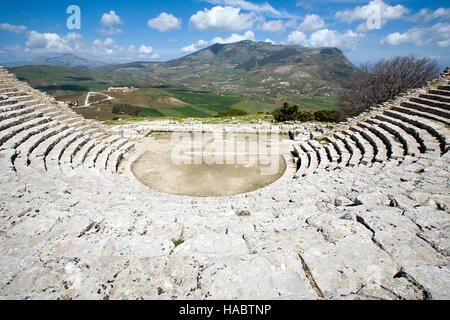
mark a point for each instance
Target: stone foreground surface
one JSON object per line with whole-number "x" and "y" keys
{"x": 71, "y": 229}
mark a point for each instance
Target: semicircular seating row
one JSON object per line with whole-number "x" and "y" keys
{"x": 36, "y": 134}
{"x": 412, "y": 125}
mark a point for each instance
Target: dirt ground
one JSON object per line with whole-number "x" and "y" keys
{"x": 228, "y": 172}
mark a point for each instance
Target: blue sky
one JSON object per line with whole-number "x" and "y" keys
{"x": 123, "y": 31}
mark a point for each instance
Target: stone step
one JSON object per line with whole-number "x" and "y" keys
{"x": 5, "y": 101}
{"x": 393, "y": 147}
{"x": 435, "y": 97}
{"x": 322, "y": 155}
{"x": 410, "y": 145}
{"x": 427, "y": 109}
{"x": 440, "y": 92}
{"x": 444, "y": 88}
{"x": 95, "y": 152}
{"x": 73, "y": 153}
{"x": 52, "y": 161}
{"x": 426, "y": 141}
{"x": 436, "y": 129}
{"x": 17, "y": 121}
{"x": 6, "y": 161}
{"x": 19, "y": 138}
{"x": 102, "y": 159}
{"x": 25, "y": 149}
{"x": 432, "y": 103}
{"x": 379, "y": 148}
{"x": 302, "y": 165}
{"x": 364, "y": 146}
{"x": 7, "y": 134}
{"x": 117, "y": 156}
{"x": 342, "y": 151}
{"x": 355, "y": 153}
{"x": 313, "y": 161}
{"x": 80, "y": 157}
{"x": 38, "y": 155}
{"x": 421, "y": 114}
{"x": 18, "y": 105}
{"x": 332, "y": 155}
{"x": 20, "y": 112}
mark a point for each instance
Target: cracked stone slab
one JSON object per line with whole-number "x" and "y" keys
{"x": 163, "y": 278}
{"x": 397, "y": 235}
{"x": 428, "y": 218}
{"x": 204, "y": 247}
{"x": 435, "y": 280}
{"x": 343, "y": 267}
{"x": 299, "y": 240}
{"x": 254, "y": 277}
{"x": 339, "y": 228}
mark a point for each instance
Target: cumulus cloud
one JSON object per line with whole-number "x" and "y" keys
{"x": 223, "y": 19}
{"x": 325, "y": 38}
{"x": 427, "y": 15}
{"x": 438, "y": 34}
{"x": 249, "y": 35}
{"x": 387, "y": 12}
{"x": 272, "y": 26}
{"x": 13, "y": 28}
{"x": 109, "y": 20}
{"x": 311, "y": 22}
{"x": 248, "y": 6}
{"x": 269, "y": 41}
{"x": 165, "y": 22}
{"x": 145, "y": 50}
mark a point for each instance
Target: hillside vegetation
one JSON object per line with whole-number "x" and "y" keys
{"x": 249, "y": 76}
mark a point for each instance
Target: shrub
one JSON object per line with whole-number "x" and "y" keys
{"x": 326, "y": 116}
{"x": 123, "y": 108}
{"x": 305, "y": 116}
{"x": 286, "y": 113}
{"x": 232, "y": 113}
{"x": 376, "y": 83}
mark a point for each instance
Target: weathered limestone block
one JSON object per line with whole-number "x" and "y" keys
{"x": 206, "y": 246}
{"x": 397, "y": 235}
{"x": 254, "y": 277}
{"x": 344, "y": 267}
{"x": 340, "y": 228}
{"x": 435, "y": 280}
{"x": 428, "y": 218}
{"x": 162, "y": 278}
{"x": 294, "y": 239}
{"x": 438, "y": 239}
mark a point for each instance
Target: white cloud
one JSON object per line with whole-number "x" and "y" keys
{"x": 195, "y": 46}
{"x": 312, "y": 22}
{"x": 110, "y": 19}
{"x": 165, "y": 22}
{"x": 427, "y": 15}
{"x": 13, "y": 28}
{"x": 106, "y": 47}
{"x": 145, "y": 50}
{"x": 438, "y": 34}
{"x": 269, "y": 41}
{"x": 223, "y": 19}
{"x": 325, "y": 38}
{"x": 248, "y": 6}
{"x": 272, "y": 26}
{"x": 249, "y": 35}
{"x": 412, "y": 36}
{"x": 53, "y": 43}
{"x": 297, "y": 37}
{"x": 387, "y": 12}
